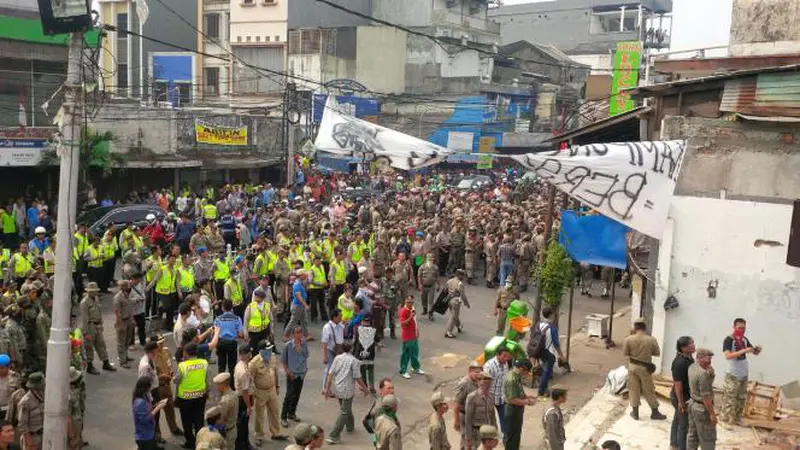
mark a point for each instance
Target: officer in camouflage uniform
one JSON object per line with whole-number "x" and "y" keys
{"x": 456, "y": 296}
{"x": 76, "y": 410}
{"x": 490, "y": 249}
{"x": 702, "y": 417}
{"x": 92, "y": 326}
{"x": 526, "y": 253}
{"x": 456, "y": 260}
{"x": 381, "y": 258}
{"x": 403, "y": 274}
{"x": 281, "y": 272}
{"x": 28, "y": 313}
{"x": 391, "y": 297}
{"x": 16, "y": 334}
{"x": 472, "y": 248}
{"x": 124, "y": 325}
{"x": 505, "y": 295}
{"x": 427, "y": 276}
{"x": 43, "y": 323}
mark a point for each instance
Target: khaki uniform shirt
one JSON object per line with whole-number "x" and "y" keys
{"x": 479, "y": 410}
{"x": 163, "y": 363}
{"x": 428, "y": 273}
{"x": 641, "y": 347}
{"x": 210, "y": 438}
{"x": 30, "y": 418}
{"x": 387, "y": 434}
{"x": 241, "y": 378}
{"x": 90, "y": 312}
{"x": 263, "y": 376}
{"x": 553, "y": 424}
{"x": 402, "y": 272}
{"x": 464, "y": 387}
{"x": 123, "y": 304}
{"x": 700, "y": 383}
{"x": 229, "y": 408}
{"x": 437, "y": 433}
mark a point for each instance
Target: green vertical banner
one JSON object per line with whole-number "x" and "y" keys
{"x": 485, "y": 161}
{"x": 626, "y": 74}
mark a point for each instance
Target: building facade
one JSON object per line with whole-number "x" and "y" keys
{"x": 214, "y": 39}
{"x": 134, "y": 67}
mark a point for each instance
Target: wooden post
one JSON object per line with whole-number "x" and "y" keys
{"x": 609, "y": 339}
{"x": 569, "y": 317}
{"x": 548, "y": 230}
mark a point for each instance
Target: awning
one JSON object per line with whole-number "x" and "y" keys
{"x": 625, "y": 125}
{"x": 471, "y": 158}
{"x": 163, "y": 163}
{"x": 524, "y": 142}
{"x": 236, "y": 162}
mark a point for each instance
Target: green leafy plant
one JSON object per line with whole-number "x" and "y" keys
{"x": 95, "y": 153}
{"x": 555, "y": 274}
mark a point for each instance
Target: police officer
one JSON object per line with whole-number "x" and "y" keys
{"x": 467, "y": 385}
{"x": 526, "y": 253}
{"x": 702, "y": 416}
{"x": 123, "y": 309}
{"x": 490, "y": 437}
{"x": 211, "y": 435}
{"x": 456, "y": 296}
{"x": 472, "y": 248}
{"x": 553, "y": 419}
{"x": 17, "y": 337}
{"x": 264, "y": 373}
{"x": 43, "y": 323}
{"x": 479, "y": 410}
{"x": 427, "y": 276}
{"x": 192, "y": 381}
{"x": 228, "y": 407}
{"x": 258, "y": 317}
{"x": 92, "y": 326}
{"x": 640, "y": 348}
{"x": 490, "y": 249}
{"x": 76, "y": 409}
{"x": 437, "y": 433}
{"x": 31, "y": 413}
{"x": 505, "y": 295}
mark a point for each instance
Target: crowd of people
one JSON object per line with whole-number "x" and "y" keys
{"x": 339, "y": 258}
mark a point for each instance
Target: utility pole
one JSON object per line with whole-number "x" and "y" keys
{"x": 290, "y": 109}
{"x": 57, "y": 387}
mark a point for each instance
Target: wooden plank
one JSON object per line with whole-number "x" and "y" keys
{"x": 777, "y": 425}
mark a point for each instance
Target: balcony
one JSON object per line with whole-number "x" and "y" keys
{"x": 445, "y": 17}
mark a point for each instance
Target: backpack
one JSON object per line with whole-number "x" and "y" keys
{"x": 538, "y": 341}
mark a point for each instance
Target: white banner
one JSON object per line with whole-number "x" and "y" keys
{"x": 349, "y": 136}
{"x": 630, "y": 182}
{"x": 460, "y": 141}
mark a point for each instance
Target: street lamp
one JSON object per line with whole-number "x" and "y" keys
{"x": 65, "y": 16}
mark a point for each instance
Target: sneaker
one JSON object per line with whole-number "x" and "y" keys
{"x": 406, "y": 375}
{"x": 420, "y": 372}
{"x": 450, "y": 335}
{"x": 285, "y": 423}
{"x": 295, "y": 419}
{"x": 333, "y": 441}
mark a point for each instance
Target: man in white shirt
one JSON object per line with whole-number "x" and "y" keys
{"x": 186, "y": 320}
{"x": 332, "y": 339}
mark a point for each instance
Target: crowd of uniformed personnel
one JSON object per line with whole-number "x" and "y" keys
{"x": 246, "y": 245}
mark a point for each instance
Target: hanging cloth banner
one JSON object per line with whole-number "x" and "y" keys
{"x": 630, "y": 182}
{"x": 345, "y": 135}
{"x": 206, "y": 133}
{"x": 594, "y": 239}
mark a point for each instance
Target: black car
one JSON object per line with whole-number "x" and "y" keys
{"x": 98, "y": 219}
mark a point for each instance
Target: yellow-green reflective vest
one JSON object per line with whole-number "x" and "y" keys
{"x": 193, "y": 378}
{"x": 187, "y": 279}
{"x": 236, "y": 291}
{"x": 339, "y": 274}
{"x": 96, "y": 255}
{"x": 221, "y": 270}
{"x": 258, "y": 322}
{"x": 166, "y": 284}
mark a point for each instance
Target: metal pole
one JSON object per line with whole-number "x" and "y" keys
{"x": 141, "y": 60}
{"x": 290, "y": 170}
{"x": 610, "y": 338}
{"x": 569, "y": 317}
{"x": 57, "y": 388}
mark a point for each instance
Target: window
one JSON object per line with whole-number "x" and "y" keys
{"x": 277, "y": 38}
{"x": 238, "y": 39}
{"x": 122, "y": 76}
{"x": 609, "y": 21}
{"x": 266, "y": 38}
{"x": 211, "y": 25}
{"x": 184, "y": 93}
{"x": 122, "y": 25}
{"x": 269, "y": 2}
{"x": 212, "y": 80}
{"x": 248, "y": 38}
{"x": 248, "y": 2}
{"x": 258, "y": 38}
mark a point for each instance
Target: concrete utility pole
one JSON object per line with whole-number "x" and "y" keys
{"x": 58, "y": 351}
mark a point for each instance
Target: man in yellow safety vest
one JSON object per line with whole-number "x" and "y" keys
{"x": 257, "y": 318}
{"x": 166, "y": 286}
{"x": 192, "y": 381}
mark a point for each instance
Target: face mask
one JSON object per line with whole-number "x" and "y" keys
{"x": 265, "y": 355}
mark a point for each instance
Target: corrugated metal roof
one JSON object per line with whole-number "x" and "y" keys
{"x": 665, "y": 88}
{"x": 766, "y": 94}
{"x": 602, "y": 124}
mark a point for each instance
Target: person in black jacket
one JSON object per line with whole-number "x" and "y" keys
{"x": 364, "y": 350}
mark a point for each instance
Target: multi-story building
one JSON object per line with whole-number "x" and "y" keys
{"x": 214, "y": 39}
{"x": 143, "y": 69}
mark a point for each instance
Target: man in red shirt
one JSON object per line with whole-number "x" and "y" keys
{"x": 410, "y": 336}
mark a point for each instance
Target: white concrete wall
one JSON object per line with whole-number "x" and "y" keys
{"x": 600, "y": 64}
{"x": 710, "y": 239}
{"x": 260, "y": 20}
{"x": 320, "y": 68}
{"x": 381, "y": 58}
{"x": 410, "y": 13}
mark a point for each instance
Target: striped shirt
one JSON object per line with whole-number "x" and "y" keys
{"x": 498, "y": 372}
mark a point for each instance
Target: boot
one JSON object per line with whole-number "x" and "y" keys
{"x": 107, "y": 366}
{"x": 635, "y": 413}
{"x": 92, "y": 369}
{"x": 489, "y": 284}
{"x": 655, "y": 415}
{"x": 392, "y": 334}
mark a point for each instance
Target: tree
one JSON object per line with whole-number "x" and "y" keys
{"x": 95, "y": 153}
{"x": 554, "y": 275}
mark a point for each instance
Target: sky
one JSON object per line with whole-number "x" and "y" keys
{"x": 691, "y": 27}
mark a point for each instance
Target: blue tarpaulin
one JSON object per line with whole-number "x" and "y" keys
{"x": 594, "y": 239}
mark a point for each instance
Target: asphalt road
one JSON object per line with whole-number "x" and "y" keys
{"x": 109, "y": 424}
